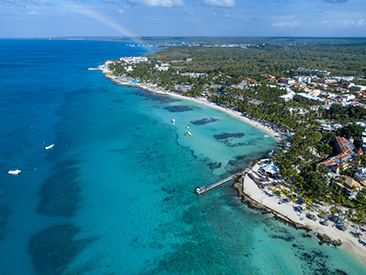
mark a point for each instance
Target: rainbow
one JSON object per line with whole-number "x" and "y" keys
{"x": 106, "y": 21}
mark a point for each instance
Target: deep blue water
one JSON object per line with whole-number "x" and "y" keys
{"x": 115, "y": 194}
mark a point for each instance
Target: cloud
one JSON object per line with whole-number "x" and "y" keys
{"x": 25, "y": 2}
{"x": 120, "y": 11}
{"x": 335, "y": 1}
{"x": 354, "y": 23}
{"x": 293, "y": 24}
{"x": 33, "y": 12}
{"x": 220, "y": 3}
{"x": 159, "y": 3}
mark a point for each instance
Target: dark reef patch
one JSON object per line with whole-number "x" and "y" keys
{"x": 224, "y": 136}
{"x": 60, "y": 194}
{"x": 227, "y": 139}
{"x": 4, "y": 214}
{"x": 162, "y": 98}
{"x": 214, "y": 165}
{"x": 54, "y": 248}
{"x": 287, "y": 238}
{"x": 340, "y": 272}
{"x": 315, "y": 261}
{"x": 178, "y": 108}
{"x": 204, "y": 121}
{"x": 168, "y": 191}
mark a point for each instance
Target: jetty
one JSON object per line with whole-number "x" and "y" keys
{"x": 203, "y": 189}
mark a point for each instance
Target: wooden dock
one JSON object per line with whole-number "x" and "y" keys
{"x": 203, "y": 189}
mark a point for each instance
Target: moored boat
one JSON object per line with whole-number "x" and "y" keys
{"x": 14, "y": 171}
{"x": 49, "y": 146}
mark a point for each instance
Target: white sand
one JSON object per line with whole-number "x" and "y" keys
{"x": 154, "y": 89}
{"x": 350, "y": 242}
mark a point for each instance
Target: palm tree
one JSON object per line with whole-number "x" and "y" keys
{"x": 360, "y": 217}
{"x": 350, "y": 215}
{"x": 309, "y": 208}
{"x": 285, "y": 192}
{"x": 307, "y": 200}
{"x": 292, "y": 197}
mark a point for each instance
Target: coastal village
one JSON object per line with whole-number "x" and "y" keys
{"x": 338, "y": 215}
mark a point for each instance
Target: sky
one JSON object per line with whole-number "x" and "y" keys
{"x": 294, "y": 18}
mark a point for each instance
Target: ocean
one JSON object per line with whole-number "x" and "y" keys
{"x": 115, "y": 195}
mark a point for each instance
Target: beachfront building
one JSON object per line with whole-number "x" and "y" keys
{"x": 134, "y": 59}
{"x": 347, "y": 152}
{"x": 360, "y": 176}
{"x": 349, "y": 186}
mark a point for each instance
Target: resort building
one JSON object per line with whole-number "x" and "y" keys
{"x": 134, "y": 59}
{"x": 360, "y": 176}
{"x": 350, "y": 186}
{"x": 347, "y": 152}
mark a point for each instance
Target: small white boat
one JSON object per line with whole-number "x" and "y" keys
{"x": 266, "y": 135}
{"x": 173, "y": 120}
{"x": 188, "y": 133}
{"x": 14, "y": 171}
{"x": 49, "y": 146}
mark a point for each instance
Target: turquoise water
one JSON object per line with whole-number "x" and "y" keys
{"x": 115, "y": 194}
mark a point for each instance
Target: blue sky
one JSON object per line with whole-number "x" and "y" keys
{"x": 314, "y": 18}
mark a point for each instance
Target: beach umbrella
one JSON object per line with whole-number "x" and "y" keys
{"x": 341, "y": 227}
{"x": 311, "y": 216}
{"x": 333, "y": 218}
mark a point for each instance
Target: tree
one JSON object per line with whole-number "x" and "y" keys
{"x": 350, "y": 215}
{"x": 351, "y": 130}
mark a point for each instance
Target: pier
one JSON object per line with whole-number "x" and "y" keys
{"x": 203, "y": 189}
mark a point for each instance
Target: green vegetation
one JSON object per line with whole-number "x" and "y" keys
{"x": 241, "y": 77}
{"x": 342, "y": 115}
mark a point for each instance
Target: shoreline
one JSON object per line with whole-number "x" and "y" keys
{"x": 284, "y": 211}
{"x": 276, "y": 134}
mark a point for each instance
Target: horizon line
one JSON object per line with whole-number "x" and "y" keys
{"x": 178, "y": 36}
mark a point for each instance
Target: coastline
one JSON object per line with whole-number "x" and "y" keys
{"x": 282, "y": 211}
{"x": 286, "y": 211}
{"x": 276, "y": 134}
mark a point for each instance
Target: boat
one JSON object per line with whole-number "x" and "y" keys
{"x": 201, "y": 190}
{"x": 173, "y": 120}
{"x": 14, "y": 171}
{"x": 188, "y": 133}
{"x": 266, "y": 136}
{"x": 49, "y": 147}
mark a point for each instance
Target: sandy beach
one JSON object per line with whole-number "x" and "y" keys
{"x": 266, "y": 128}
{"x": 286, "y": 209}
